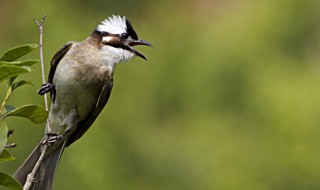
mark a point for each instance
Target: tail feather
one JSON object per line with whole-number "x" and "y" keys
{"x": 45, "y": 174}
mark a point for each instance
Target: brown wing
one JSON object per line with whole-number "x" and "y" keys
{"x": 49, "y": 87}
{"x": 84, "y": 125}
{"x": 56, "y": 59}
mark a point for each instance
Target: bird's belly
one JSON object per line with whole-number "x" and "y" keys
{"x": 76, "y": 96}
{"x": 72, "y": 105}
{"x": 81, "y": 97}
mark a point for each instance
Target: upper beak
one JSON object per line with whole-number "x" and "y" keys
{"x": 138, "y": 42}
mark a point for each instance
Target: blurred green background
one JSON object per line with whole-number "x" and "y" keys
{"x": 229, "y": 98}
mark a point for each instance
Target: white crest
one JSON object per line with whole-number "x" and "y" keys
{"x": 114, "y": 25}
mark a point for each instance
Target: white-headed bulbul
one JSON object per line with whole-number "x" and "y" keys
{"x": 80, "y": 82}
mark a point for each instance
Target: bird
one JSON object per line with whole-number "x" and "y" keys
{"x": 80, "y": 81}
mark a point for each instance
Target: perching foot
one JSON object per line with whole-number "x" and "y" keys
{"x": 45, "y": 88}
{"x": 52, "y": 138}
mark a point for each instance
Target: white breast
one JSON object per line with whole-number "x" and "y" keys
{"x": 112, "y": 55}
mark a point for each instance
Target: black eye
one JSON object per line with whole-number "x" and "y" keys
{"x": 124, "y": 36}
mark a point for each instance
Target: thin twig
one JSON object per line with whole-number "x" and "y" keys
{"x": 12, "y": 145}
{"x": 31, "y": 177}
{"x": 10, "y": 132}
{"x": 40, "y": 26}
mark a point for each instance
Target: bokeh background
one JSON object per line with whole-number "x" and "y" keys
{"x": 229, "y": 98}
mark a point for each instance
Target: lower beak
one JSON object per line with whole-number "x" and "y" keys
{"x": 139, "y": 42}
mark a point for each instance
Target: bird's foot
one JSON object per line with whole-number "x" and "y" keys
{"x": 45, "y": 88}
{"x": 52, "y": 138}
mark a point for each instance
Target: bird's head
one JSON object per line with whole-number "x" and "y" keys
{"x": 118, "y": 37}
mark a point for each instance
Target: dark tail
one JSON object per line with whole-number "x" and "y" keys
{"x": 45, "y": 174}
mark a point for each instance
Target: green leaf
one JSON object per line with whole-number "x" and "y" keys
{"x": 8, "y": 71}
{"x": 6, "y": 156}
{"x": 20, "y": 83}
{"x": 3, "y": 135}
{"x": 36, "y": 114}
{"x": 20, "y": 63}
{"x": 9, "y": 182}
{"x": 6, "y": 63}
{"x": 9, "y": 107}
{"x": 17, "y": 52}
{"x": 11, "y": 80}
{"x": 28, "y": 62}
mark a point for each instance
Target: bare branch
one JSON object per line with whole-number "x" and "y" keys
{"x": 12, "y": 145}
{"x": 40, "y": 26}
{"x": 31, "y": 177}
{"x": 10, "y": 132}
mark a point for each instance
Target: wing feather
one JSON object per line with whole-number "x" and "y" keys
{"x": 84, "y": 125}
{"x": 57, "y": 58}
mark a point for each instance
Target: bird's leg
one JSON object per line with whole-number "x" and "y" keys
{"x": 55, "y": 137}
{"x": 45, "y": 88}
{"x": 52, "y": 138}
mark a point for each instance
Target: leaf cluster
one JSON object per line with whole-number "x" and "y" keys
{"x": 10, "y": 69}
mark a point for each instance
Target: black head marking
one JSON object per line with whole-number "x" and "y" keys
{"x": 131, "y": 31}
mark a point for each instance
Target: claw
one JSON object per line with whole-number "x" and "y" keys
{"x": 52, "y": 138}
{"x": 45, "y": 88}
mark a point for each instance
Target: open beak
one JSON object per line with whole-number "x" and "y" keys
{"x": 138, "y": 42}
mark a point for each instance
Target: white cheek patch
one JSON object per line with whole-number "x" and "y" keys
{"x": 107, "y": 39}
